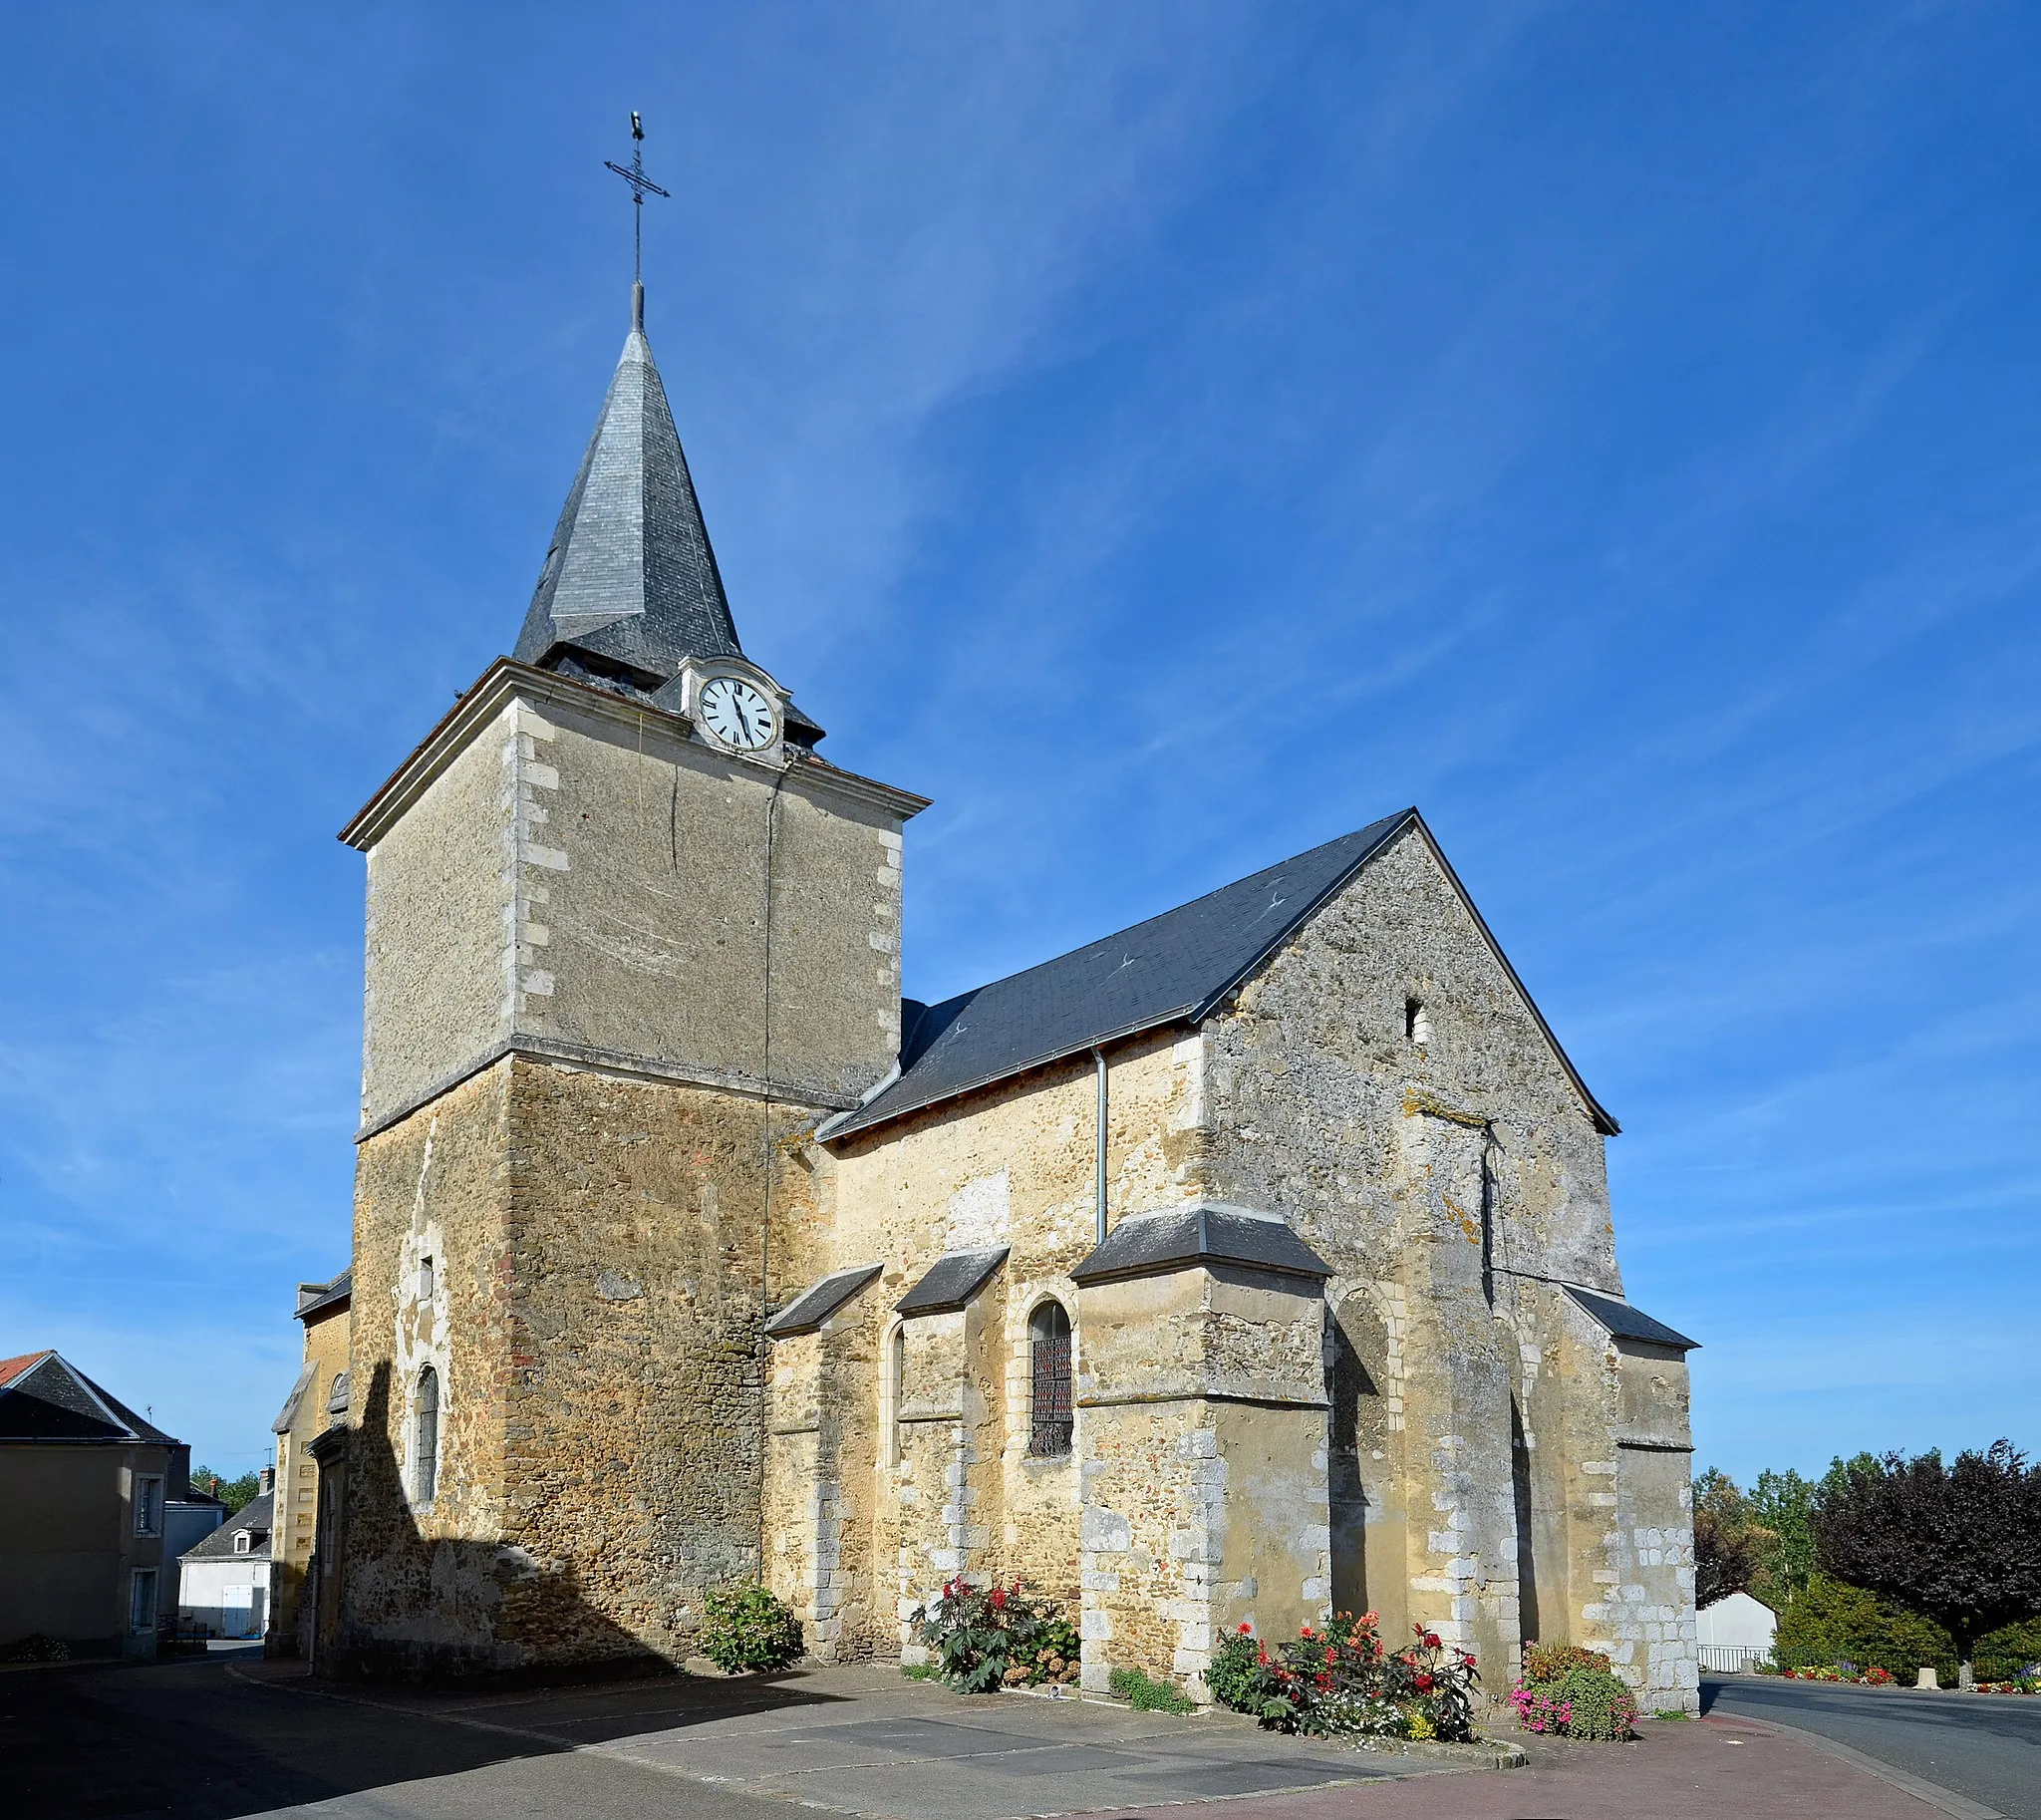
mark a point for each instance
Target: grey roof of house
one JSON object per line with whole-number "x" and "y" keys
{"x": 289, "y": 1413}
{"x": 1628, "y": 1322}
{"x": 1206, "y": 1232}
{"x": 1176, "y": 967}
{"x": 53, "y": 1401}
{"x": 316, "y": 1298}
{"x": 256, "y": 1516}
{"x": 631, "y": 577}
{"x": 951, "y": 1281}
{"x": 815, "y": 1303}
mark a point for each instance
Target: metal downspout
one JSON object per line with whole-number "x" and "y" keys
{"x": 1098, "y": 1054}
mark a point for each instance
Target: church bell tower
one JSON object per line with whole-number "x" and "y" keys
{"x": 630, "y": 938}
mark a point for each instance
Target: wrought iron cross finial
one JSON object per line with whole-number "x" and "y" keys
{"x": 640, "y": 184}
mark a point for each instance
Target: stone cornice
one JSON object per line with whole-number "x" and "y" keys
{"x": 612, "y": 1063}
{"x": 506, "y": 681}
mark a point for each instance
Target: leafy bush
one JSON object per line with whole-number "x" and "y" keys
{"x": 1146, "y": 1695}
{"x": 747, "y": 1627}
{"x": 986, "y": 1637}
{"x": 1339, "y": 1682}
{"x": 1572, "y": 1692}
{"x": 37, "y": 1646}
{"x": 1052, "y": 1657}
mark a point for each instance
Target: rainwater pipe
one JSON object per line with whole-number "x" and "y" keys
{"x": 1098, "y": 1055}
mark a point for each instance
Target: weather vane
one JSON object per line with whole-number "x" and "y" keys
{"x": 640, "y": 184}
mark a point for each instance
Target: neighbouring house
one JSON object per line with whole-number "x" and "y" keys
{"x": 187, "y": 1521}
{"x": 224, "y": 1583}
{"x": 85, "y": 1486}
{"x": 1253, "y": 1262}
{"x": 1734, "y": 1633}
{"x": 324, "y": 1310}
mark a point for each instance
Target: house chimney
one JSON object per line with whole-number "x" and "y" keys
{"x": 267, "y": 1482}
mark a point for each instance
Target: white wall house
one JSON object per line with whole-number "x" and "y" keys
{"x": 223, "y": 1581}
{"x": 1735, "y": 1632}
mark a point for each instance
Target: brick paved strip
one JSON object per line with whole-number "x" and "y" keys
{"x": 1710, "y": 1769}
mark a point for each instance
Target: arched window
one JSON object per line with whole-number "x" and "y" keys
{"x": 425, "y": 1468}
{"x": 1048, "y": 1335}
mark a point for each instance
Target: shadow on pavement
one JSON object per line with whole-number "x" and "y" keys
{"x": 197, "y": 1741}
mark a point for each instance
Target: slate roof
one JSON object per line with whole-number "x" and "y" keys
{"x": 630, "y": 578}
{"x": 951, "y": 1281}
{"x": 46, "y": 1398}
{"x": 1176, "y": 967}
{"x": 815, "y": 1303}
{"x": 257, "y": 1516}
{"x": 316, "y": 1298}
{"x": 1628, "y": 1322}
{"x": 289, "y": 1412}
{"x": 1205, "y": 1232}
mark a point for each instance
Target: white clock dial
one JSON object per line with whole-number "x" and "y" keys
{"x": 736, "y": 713}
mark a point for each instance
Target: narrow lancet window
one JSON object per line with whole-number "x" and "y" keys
{"x": 426, "y": 1449}
{"x": 1048, "y": 1332}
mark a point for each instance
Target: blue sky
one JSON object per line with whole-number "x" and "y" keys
{"x": 1611, "y": 428}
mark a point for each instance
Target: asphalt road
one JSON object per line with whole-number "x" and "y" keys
{"x": 1986, "y": 1747}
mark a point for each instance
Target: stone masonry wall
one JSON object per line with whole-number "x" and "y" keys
{"x": 1383, "y": 1085}
{"x": 594, "y": 882}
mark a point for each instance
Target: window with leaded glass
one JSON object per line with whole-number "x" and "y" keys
{"x": 1048, "y": 1335}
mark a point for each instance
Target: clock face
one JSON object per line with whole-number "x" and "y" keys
{"x": 736, "y": 713}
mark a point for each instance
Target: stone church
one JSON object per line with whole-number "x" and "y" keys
{"x": 1251, "y": 1263}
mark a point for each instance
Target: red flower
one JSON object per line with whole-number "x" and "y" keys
{"x": 1246, "y": 1630}
{"x": 1431, "y": 1641}
{"x": 999, "y": 1599}
{"x": 1304, "y": 1629}
{"x": 1261, "y": 1656}
{"x": 1424, "y": 1683}
{"x": 1332, "y": 1655}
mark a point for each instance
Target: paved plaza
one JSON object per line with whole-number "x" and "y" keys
{"x": 224, "y": 1738}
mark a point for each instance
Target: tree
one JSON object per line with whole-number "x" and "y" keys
{"x": 1961, "y": 1544}
{"x": 1782, "y": 1505}
{"x": 1730, "y": 1551}
{"x": 236, "y": 1494}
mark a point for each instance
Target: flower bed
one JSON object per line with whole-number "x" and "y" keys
{"x": 1339, "y": 1682}
{"x": 1573, "y": 1693}
{"x": 983, "y": 1639}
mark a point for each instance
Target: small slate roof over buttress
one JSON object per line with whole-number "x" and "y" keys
{"x": 631, "y": 577}
{"x": 1176, "y": 967}
{"x": 815, "y": 1303}
{"x": 1628, "y": 1322}
{"x": 1206, "y": 1232}
{"x": 951, "y": 1281}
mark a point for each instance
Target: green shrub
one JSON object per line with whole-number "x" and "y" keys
{"x": 1571, "y": 1692}
{"x": 1146, "y": 1695}
{"x": 1052, "y": 1657}
{"x": 919, "y": 1671}
{"x": 1832, "y": 1622}
{"x": 746, "y": 1627}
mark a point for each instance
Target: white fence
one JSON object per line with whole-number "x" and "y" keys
{"x": 1731, "y": 1657}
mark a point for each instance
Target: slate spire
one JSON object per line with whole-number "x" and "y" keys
{"x": 631, "y": 581}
